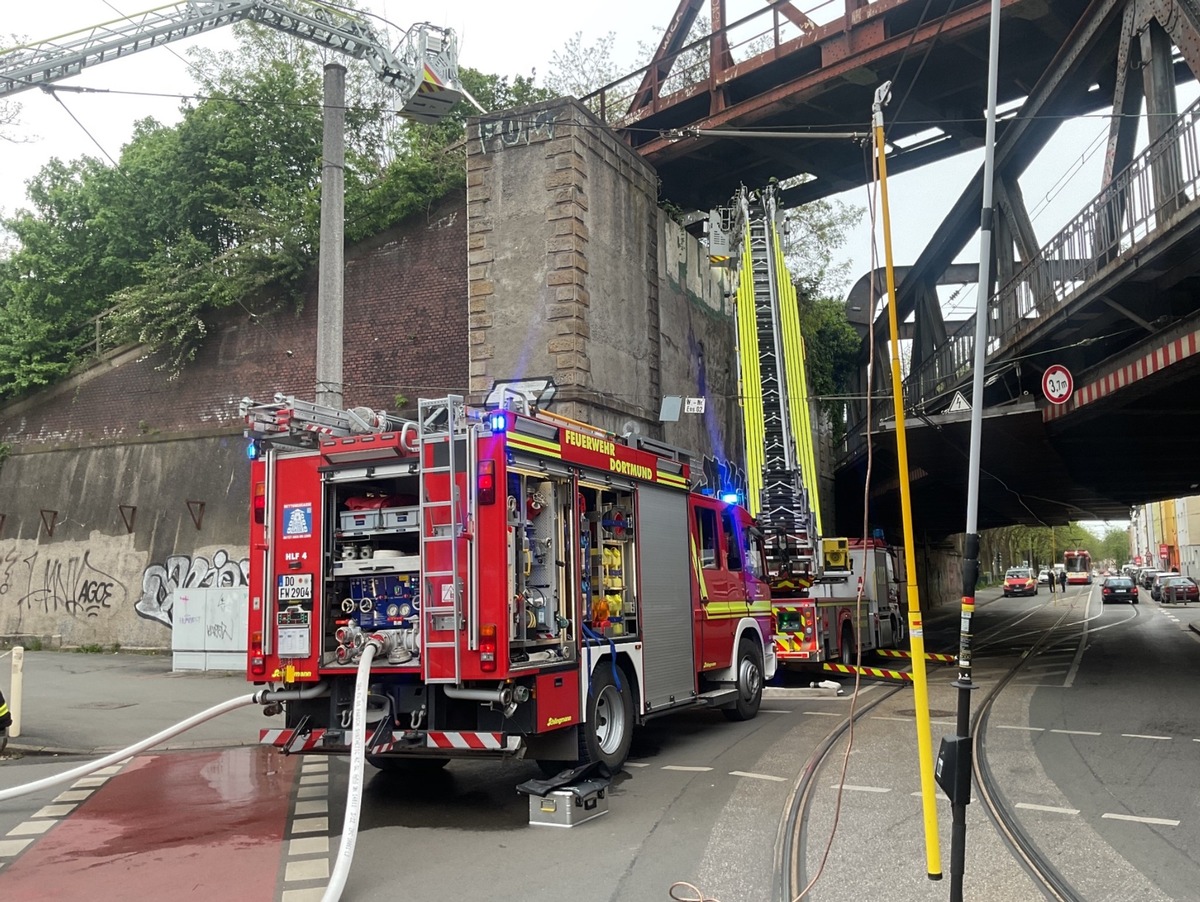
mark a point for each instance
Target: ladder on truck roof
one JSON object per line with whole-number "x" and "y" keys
{"x": 443, "y": 423}
{"x": 289, "y": 420}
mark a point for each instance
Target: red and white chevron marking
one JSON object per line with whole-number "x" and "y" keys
{"x": 484, "y": 742}
{"x": 1156, "y": 360}
{"x": 477, "y": 741}
{"x": 283, "y": 739}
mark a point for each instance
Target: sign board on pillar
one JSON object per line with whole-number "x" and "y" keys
{"x": 1057, "y": 384}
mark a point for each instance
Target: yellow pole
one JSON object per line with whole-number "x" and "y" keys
{"x": 933, "y": 858}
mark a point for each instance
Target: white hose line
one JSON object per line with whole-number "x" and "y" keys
{"x": 345, "y": 852}
{"x": 85, "y": 769}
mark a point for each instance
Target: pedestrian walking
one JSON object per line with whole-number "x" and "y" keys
{"x": 1062, "y": 580}
{"x": 1053, "y": 583}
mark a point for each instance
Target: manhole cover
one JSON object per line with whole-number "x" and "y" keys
{"x": 912, "y": 712}
{"x": 109, "y": 706}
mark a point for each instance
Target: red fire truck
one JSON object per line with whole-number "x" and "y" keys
{"x": 534, "y": 586}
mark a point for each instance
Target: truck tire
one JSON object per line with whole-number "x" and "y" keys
{"x": 846, "y": 654}
{"x": 607, "y": 733}
{"x": 749, "y": 682}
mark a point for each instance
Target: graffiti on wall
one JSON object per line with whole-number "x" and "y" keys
{"x": 721, "y": 475}
{"x": 498, "y": 134}
{"x": 183, "y": 571}
{"x": 58, "y": 584}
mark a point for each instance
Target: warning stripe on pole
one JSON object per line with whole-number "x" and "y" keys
{"x": 899, "y": 676}
{"x": 903, "y": 653}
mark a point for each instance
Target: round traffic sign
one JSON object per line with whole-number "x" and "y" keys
{"x": 1138, "y": 560}
{"x": 1057, "y": 384}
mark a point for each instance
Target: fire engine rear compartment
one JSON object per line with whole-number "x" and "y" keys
{"x": 566, "y": 567}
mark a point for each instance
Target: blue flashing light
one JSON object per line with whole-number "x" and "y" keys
{"x": 730, "y": 497}
{"x": 252, "y": 449}
{"x": 498, "y": 421}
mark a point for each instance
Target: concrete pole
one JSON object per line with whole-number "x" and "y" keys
{"x": 17, "y": 685}
{"x": 332, "y": 260}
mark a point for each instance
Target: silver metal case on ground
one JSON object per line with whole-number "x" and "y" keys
{"x": 565, "y": 808}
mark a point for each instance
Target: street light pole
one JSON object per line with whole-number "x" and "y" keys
{"x": 970, "y": 569}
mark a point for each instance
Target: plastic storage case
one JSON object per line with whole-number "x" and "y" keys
{"x": 568, "y": 807}
{"x": 358, "y": 521}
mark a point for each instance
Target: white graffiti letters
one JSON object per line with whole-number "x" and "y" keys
{"x": 182, "y": 571}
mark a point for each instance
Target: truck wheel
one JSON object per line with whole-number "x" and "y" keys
{"x": 608, "y": 732}
{"x": 749, "y": 682}
{"x": 847, "y": 651}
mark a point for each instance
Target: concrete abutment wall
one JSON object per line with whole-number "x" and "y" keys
{"x": 124, "y": 484}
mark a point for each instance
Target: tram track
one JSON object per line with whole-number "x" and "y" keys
{"x": 793, "y": 839}
{"x": 1048, "y": 878}
{"x": 792, "y": 845}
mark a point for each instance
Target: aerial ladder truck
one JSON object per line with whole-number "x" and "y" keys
{"x": 423, "y": 69}
{"x": 830, "y": 596}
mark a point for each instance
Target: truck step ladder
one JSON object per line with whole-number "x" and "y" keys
{"x": 441, "y": 423}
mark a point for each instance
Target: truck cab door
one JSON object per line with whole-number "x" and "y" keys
{"x": 721, "y": 599}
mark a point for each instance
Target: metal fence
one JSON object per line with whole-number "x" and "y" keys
{"x": 1141, "y": 202}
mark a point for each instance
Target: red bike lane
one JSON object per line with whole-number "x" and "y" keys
{"x": 178, "y": 825}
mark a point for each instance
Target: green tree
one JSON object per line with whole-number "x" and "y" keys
{"x": 577, "y": 69}
{"x": 221, "y": 207}
{"x": 831, "y": 349}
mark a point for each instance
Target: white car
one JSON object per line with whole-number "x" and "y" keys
{"x": 1044, "y": 577}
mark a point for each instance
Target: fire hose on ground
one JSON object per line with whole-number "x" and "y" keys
{"x": 376, "y": 643}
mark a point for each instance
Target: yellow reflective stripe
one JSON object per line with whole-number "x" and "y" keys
{"x": 674, "y": 479}
{"x": 696, "y": 568}
{"x": 726, "y": 608}
{"x": 796, "y": 375}
{"x": 760, "y": 607}
{"x": 536, "y": 445}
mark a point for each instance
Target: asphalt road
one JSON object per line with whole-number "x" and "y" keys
{"x": 1130, "y": 751}
{"x": 1098, "y": 727}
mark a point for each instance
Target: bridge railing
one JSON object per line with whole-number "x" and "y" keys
{"x": 690, "y": 69}
{"x": 1141, "y": 199}
{"x": 1162, "y": 181}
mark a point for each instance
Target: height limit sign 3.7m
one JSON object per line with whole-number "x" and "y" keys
{"x": 1057, "y": 384}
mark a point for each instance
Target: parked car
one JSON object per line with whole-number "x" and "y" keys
{"x": 1146, "y": 577}
{"x": 1171, "y": 588}
{"x": 1044, "y": 577}
{"x": 1020, "y": 581}
{"x": 1119, "y": 588}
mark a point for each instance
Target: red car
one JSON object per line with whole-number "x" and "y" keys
{"x": 1177, "y": 589}
{"x": 1020, "y": 581}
